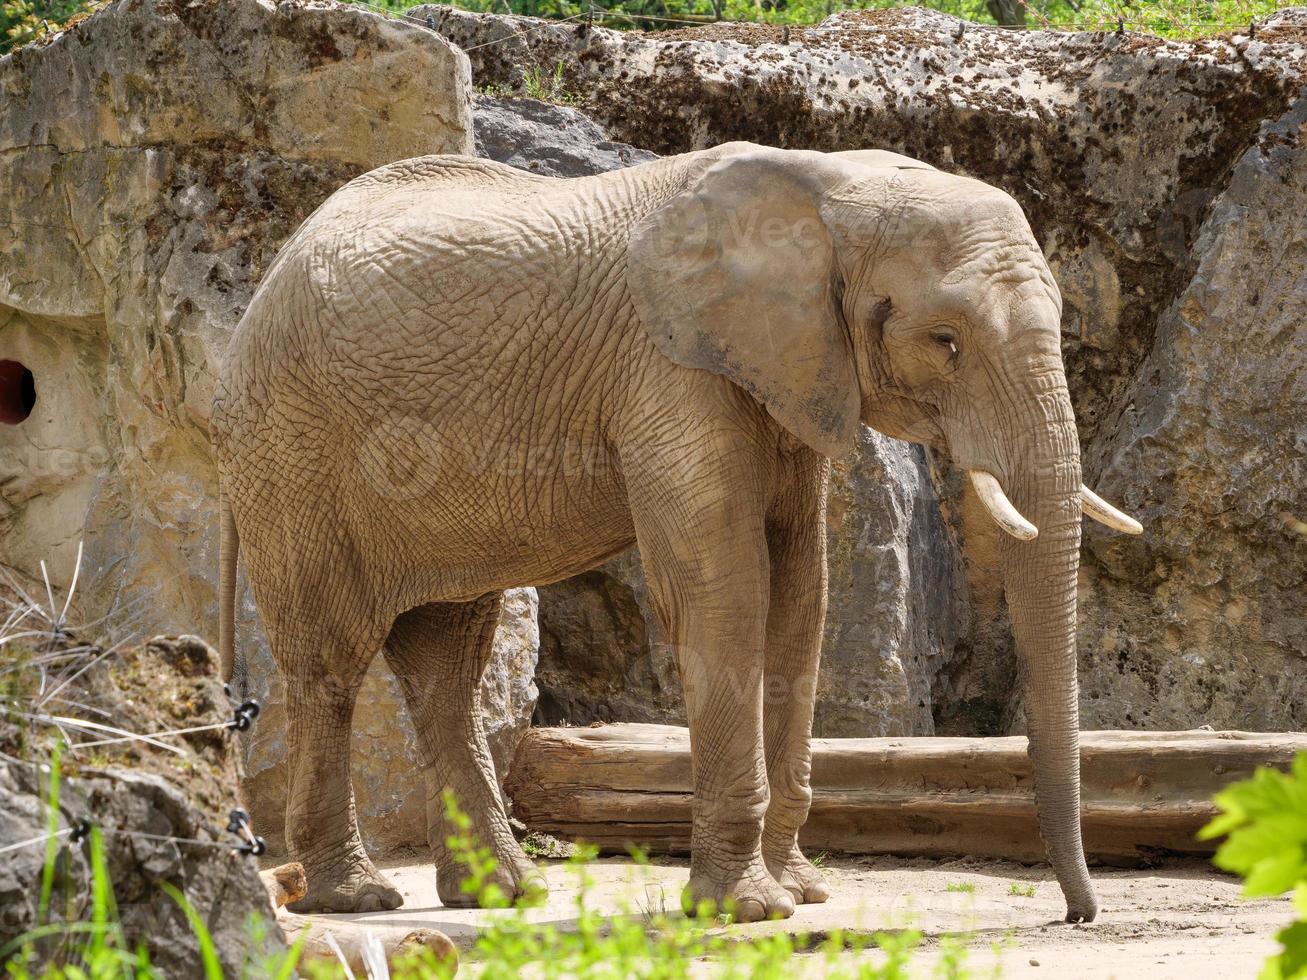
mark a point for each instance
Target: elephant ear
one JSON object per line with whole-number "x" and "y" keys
{"x": 735, "y": 274}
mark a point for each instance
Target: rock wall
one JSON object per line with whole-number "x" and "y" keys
{"x": 152, "y": 160}
{"x": 161, "y": 810}
{"x": 1204, "y": 619}
{"x": 1133, "y": 158}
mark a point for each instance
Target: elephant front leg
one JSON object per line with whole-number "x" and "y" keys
{"x": 710, "y": 587}
{"x": 722, "y": 682}
{"x": 795, "y": 618}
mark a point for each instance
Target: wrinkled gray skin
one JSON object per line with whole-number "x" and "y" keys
{"x": 458, "y": 378}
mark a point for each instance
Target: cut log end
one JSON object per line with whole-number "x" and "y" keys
{"x": 285, "y": 884}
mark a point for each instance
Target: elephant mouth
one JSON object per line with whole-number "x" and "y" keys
{"x": 996, "y": 502}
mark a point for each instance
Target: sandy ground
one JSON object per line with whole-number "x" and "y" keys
{"x": 1180, "y": 920}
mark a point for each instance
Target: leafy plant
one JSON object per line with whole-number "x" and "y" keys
{"x": 653, "y": 943}
{"x": 548, "y": 86}
{"x": 22, "y": 21}
{"x": 1021, "y": 891}
{"x": 1265, "y": 818}
{"x": 965, "y": 887}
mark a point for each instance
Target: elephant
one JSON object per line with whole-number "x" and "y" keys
{"x": 458, "y": 378}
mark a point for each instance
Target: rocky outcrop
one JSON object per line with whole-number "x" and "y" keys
{"x": 1203, "y": 620}
{"x": 152, "y": 160}
{"x": 160, "y": 810}
{"x": 546, "y": 139}
{"x": 1131, "y": 156}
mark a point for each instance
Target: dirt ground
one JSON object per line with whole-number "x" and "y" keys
{"x": 1180, "y": 920}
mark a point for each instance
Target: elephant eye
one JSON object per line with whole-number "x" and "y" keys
{"x": 946, "y": 341}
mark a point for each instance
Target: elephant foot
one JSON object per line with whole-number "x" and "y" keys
{"x": 514, "y": 876}
{"x": 798, "y": 876}
{"x": 349, "y": 885}
{"x": 749, "y": 893}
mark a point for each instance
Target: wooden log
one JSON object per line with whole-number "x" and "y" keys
{"x": 1144, "y": 794}
{"x": 285, "y": 884}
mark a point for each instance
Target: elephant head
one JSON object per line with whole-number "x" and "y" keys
{"x": 866, "y": 287}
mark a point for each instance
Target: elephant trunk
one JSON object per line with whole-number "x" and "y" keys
{"x": 1040, "y": 582}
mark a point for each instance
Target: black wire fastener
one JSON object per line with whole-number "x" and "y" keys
{"x": 239, "y": 824}
{"x": 81, "y": 831}
{"x": 244, "y": 715}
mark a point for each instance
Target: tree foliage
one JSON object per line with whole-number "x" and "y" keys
{"x": 23, "y": 21}
{"x": 1169, "y": 18}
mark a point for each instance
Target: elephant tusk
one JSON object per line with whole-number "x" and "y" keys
{"x": 1000, "y": 508}
{"x": 1100, "y": 510}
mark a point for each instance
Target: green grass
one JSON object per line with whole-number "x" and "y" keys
{"x": 1019, "y": 890}
{"x": 964, "y": 887}
{"x": 653, "y": 943}
{"x": 545, "y": 85}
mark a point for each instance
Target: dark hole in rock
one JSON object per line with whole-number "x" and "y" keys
{"x": 17, "y": 392}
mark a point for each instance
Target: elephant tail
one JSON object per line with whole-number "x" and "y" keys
{"x": 228, "y": 552}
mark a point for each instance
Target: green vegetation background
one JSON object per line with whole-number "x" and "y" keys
{"x": 22, "y": 21}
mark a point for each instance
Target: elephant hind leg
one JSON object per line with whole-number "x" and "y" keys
{"x": 439, "y": 652}
{"x": 322, "y": 654}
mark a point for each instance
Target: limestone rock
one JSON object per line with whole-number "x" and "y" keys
{"x": 1203, "y": 622}
{"x": 603, "y": 654}
{"x": 896, "y": 604}
{"x": 545, "y": 139}
{"x": 135, "y": 793}
{"x": 153, "y": 158}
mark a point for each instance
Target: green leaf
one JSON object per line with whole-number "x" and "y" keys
{"x": 1291, "y": 964}
{"x": 1275, "y": 874}
{"x": 1278, "y": 837}
{"x": 1264, "y": 819}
